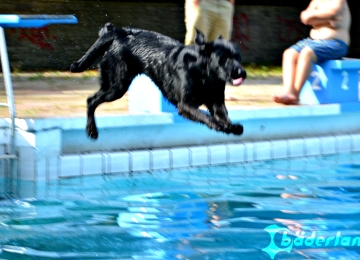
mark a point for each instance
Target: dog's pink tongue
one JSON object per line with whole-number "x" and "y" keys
{"x": 237, "y": 82}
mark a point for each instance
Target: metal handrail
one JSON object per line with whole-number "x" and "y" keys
{"x": 8, "y": 156}
{"x": 10, "y": 100}
{"x": 21, "y": 21}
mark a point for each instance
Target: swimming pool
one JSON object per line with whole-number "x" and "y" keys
{"x": 217, "y": 212}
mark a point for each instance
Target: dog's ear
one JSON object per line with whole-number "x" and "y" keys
{"x": 200, "y": 40}
{"x": 101, "y": 32}
{"x": 107, "y": 28}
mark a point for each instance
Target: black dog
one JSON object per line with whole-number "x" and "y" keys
{"x": 188, "y": 76}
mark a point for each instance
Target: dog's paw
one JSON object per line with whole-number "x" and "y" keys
{"x": 92, "y": 132}
{"x": 237, "y": 129}
{"x": 223, "y": 127}
{"x": 75, "y": 67}
{"x": 226, "y": 129}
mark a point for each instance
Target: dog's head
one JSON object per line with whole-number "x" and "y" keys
{"x": 224, "y": 58}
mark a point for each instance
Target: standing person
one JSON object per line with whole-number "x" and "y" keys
{"x": 329, "y": 39}
{"x": 212, "y": 17}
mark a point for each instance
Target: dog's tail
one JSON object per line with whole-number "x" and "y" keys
{"x": 97, "y": 50}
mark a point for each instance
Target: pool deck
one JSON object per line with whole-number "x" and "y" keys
{"x": 51, "y": 141}
{"x": 48, "y": 95}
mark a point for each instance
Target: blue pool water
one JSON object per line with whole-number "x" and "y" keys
{"x": 221, "y": 212}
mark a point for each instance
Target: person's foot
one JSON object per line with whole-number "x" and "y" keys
{"x": 230, "y": 98}
{"x": 286, "y": 99}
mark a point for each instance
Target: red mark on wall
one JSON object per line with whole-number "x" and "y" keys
{"x": 38, "y": 36}
{"x": 290, "y": 30}
{"x": 241, "y": 30}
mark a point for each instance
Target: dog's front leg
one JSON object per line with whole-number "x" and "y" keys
{"x": 197, "y": 115}
{"x": 221, "y": 114}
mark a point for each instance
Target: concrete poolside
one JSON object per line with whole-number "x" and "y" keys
{"x": 63, "y": 94}
{"x": 51, "y": 142}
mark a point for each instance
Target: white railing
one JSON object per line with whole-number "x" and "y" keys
{"x": 10, "y": 154}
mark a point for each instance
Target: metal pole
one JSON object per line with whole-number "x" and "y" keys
{"x": 10, "y": 96}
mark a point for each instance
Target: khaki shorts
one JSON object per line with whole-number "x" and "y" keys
{"x": 212, "y": 17}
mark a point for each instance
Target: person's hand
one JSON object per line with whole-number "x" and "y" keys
{"x": 232, "y": 2}
{"x": 196, "y": 2}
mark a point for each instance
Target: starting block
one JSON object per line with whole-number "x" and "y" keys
{"x": 333, "y": 81}
{"x": 145, "y": 96}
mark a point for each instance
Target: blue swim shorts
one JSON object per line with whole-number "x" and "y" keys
{"x": 331, "y": 49}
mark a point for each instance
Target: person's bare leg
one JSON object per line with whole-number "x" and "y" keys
{"x": 305, "y": 62}
{"x": 289, "y": 67}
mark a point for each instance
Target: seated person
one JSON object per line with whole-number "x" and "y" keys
{"x": 329, "y": 39}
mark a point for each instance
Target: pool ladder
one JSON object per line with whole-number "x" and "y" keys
{"x": 10, "y": 155}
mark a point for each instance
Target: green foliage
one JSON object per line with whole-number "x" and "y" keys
{"x": 262, "y": 70}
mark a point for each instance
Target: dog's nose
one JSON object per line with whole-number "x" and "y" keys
{"x": 243, "y": 74}
{"x": 238, "y": 72}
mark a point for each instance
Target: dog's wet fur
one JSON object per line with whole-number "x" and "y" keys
{"x": 188, "y": 76}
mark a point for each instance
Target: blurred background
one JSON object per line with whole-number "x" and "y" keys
{"x": 262, "y": 28}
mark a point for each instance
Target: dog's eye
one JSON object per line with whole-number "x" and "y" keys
{"x": 223, "y": 59}
{"x": 237, "y": 55}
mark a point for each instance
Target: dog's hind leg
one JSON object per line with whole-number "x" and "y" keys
{"x": 107, "y": 93}
{"x": 116, "y": 75}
